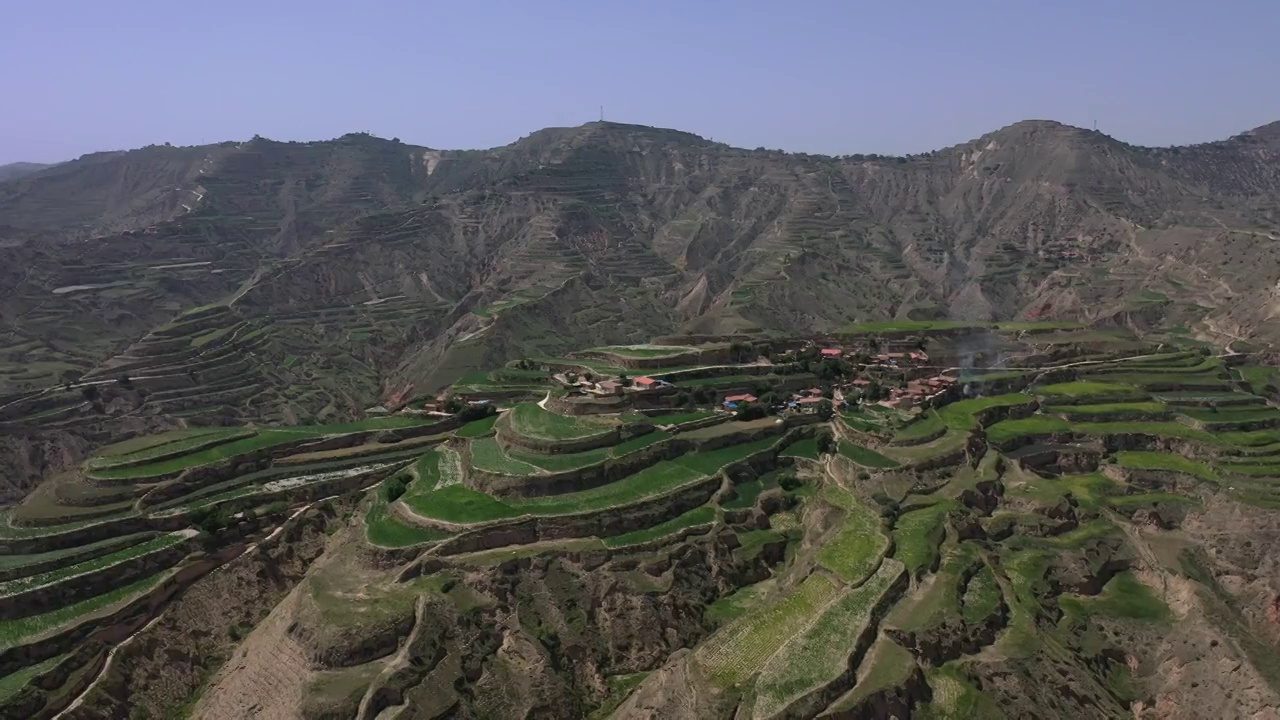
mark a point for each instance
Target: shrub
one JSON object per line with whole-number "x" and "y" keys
{"x": 395, "y": 487}
{"x": 826, "y": 442}
{"x": 864, "y": 475}
{"x": 477, "y": 412}
{"x": 788, "y": 482}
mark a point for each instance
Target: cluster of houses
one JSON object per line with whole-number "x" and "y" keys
{"x": 918, "y": 392}
{"x": 615, "y": 386}
{"x": 805, "y": 401}
{"x": 890, "y": 359}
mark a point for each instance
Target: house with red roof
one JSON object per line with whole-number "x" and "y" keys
{"x": 832, "y": 352}
{"x": 735, "y": 399}
{"x": 646, "y": 383}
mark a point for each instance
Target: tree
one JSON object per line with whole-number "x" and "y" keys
{"x": 750, "y": 411}
{"x": 125, "y": 381}
{"x": 682, "y": 398}
{"x": 826, "y": 442}
{"x": 703, "y": 395}
{"x": 825, "y": 410}
{"x": 452, "y": 405}
{"x": 394, "y": 488}
{"x": 477, "y": 411}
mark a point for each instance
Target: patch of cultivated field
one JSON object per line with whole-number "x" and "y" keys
{"x": 15, "y": 632}
{"x": 821, "y": 653}
{"x": 650, "y": 482}
{"x": 530, "y": 420}
{"x": 856, "y": 550}
{"x": 917, "y": 534}
{"x": 737, "y": 651}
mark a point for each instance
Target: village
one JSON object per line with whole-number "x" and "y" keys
{"x": 900, "y": 378}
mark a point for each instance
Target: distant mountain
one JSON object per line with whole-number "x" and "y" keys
{"x": 391, "y": 269}
{"x": 13, "y": 171}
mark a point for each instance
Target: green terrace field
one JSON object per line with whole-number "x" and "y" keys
{"x": 16, "y": 632}
{"x": 1090, "y": 392}
{"x": 259, "y": 440}
{"x": 559, "y": 462}
{"x": 932, "y": 563}
{"x": 530, "y": 420}
{"x": 865, "y": 456}
{"x": 698, "y": 516}
{"x": 644, "y": 351}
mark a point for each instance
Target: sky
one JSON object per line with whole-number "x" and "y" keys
{"x": 822, "y": 76}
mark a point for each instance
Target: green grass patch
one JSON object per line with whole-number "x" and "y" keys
{"x": 917, "y": 534}
{"x": 734, "y": 605}
{"x": 712, "y": 461}
{"x": 1224, "y": 415}
{"x": 956, "y": 698}
{"x": 650, "y": 482}
{"x": 1129, "y": 503}
{"x": 865, "y": 456}
{"x": 1151, "y": 460}
{"x": 14, "y": 632}
{"x": 981, "y": 597}
{"x": 891, "y": 667}
{"x": 384, "y": 529}
{"x": 1092, "y": 389}
{"x": 807, "y": 448}
{"x": 960, "y": 415}
{"x": 638, "y": 442}
{"x": 489, "y": 456}
{"x": 1084, "y": 411}
{"x": 193, "y": 441}
{"x": 266, "y": 438}
{"x": 18, "y": 585}
{"x": 857, "y": 548}
{"x": 1122, "y": 597}
{"x": 697, "y": 516}
{"x": 458, "y": 504}
{"x": 530, "y": 420}
{"x": 13, "y": 683}
{"x": 477, "y": 428}
{"x": 102, "y": 547}
{"x": 925, "y": 428}
{"x": 559, "y": 462}
{"x": 1007, "y": 430}
{"x": 738, "y": 650}
{"x": 821, "y": 653}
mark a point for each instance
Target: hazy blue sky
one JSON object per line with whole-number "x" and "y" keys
{"x": 821, "y": 76}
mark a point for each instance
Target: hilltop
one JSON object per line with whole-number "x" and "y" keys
{"x": 902, "y": 518}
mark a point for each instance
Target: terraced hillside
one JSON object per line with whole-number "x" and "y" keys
{"x": 369, "y": 272}
{"x": 1051, "y": 535}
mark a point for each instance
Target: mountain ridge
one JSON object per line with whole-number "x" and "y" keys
{"x": 612, "y": 233}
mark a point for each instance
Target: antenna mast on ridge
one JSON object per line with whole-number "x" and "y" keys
{"x": 601, "y": 113}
